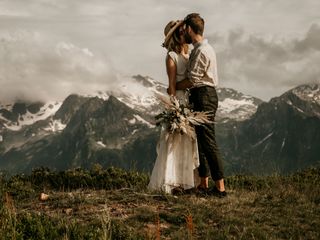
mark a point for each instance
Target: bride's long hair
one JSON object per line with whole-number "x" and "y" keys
{"x": 175, "y": 43}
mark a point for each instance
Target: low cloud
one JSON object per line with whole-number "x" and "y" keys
{"x": 267, "y": 67}
{"x": 34, "y": 68}
{"x": 65, "y": 42}
{"x": 311, "y": 40}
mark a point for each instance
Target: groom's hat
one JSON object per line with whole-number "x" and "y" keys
{"x": 169, "y": 30}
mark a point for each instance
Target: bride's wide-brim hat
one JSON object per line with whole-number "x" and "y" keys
{"x": 169, "y": 30}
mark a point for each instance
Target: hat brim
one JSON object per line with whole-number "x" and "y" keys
{"x": 169, "y": 35}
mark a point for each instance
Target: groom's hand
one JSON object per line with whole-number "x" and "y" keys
{"x": 184, "y": 84}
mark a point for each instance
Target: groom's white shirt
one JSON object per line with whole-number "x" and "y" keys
{"x": 202, "y": 66}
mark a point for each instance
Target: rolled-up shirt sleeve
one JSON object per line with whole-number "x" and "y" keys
{"x": 198, "y": 67}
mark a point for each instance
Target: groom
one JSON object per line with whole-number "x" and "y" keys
{"x": 202, "y": 79}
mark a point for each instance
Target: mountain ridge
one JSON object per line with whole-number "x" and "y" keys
{"x": 255, "y": 137}
{"x": 280, "y": 137}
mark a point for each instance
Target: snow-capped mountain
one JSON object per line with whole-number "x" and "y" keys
{"x": 282, "y": 136}
{"x": 304, "y": 98}
{"x": 137, "y": 92}
{"x": 22, "y": 124}
{"x": 15, "y": 116}
{"x": 234, "y": 105}
{"x": 98, "y": 131}
{"x": 115, "y": 127}
{"x": 308, "y": 92}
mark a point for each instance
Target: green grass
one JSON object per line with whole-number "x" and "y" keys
{"x": 115, "y": 204}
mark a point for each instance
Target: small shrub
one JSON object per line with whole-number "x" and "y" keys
{"x": 97, "y": 178}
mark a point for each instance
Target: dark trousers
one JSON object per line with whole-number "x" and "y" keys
{"x": 206, "y": 99}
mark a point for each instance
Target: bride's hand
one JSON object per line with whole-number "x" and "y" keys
{"x": 171, "y": 92}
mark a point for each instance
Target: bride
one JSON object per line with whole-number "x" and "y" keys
{"x": 177, "y": 160}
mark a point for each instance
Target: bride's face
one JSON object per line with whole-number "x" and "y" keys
{"x": 182, "y": 35}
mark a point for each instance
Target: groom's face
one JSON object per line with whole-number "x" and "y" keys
{"x": 187, "y": 36}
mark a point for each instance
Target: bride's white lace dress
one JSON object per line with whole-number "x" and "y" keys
{"x": 177, "y": 154}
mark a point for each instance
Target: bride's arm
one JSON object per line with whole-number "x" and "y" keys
{"x": 172, "y": 73}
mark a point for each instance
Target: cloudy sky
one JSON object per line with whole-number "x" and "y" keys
{"x": 50, "y": 48}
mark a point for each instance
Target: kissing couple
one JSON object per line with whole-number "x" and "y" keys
{"x": 183, "y": 163}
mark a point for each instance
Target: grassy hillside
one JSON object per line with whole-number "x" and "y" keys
{"x": 115, "y": 204}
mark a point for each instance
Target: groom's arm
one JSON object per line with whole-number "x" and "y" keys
{"x": 196, "y": 71}
{"x": 184, "y": 84}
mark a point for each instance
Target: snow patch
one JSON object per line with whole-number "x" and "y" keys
{"x": 308, "y": 92}
{"x": 299, "y": 109}
{"x": 3, "y": 118}
{"x": 55, "y": 126}
{"x": 13, "y": 126}
{"x": 282, "y": 145}
{"x": 140, "y": 119}
{"x": 132, "y": 121}
{"x": 49, "y": 109}
{"x": 6, "y": 107}
{"x": 236, "y": 109}
{"x": 137, "y": 94}
{"x": 101, "y": 144}
{"x": 1, "y": 138}
{"x": 263, "y": 140}
{"x": 229, "y": 104}
{"x": 103, "y": 95}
